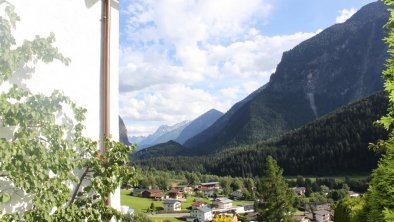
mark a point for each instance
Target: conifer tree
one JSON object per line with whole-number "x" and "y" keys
{"x": 276, "y": 199}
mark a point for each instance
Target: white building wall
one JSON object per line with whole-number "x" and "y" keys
{"x": 77, "y": 26}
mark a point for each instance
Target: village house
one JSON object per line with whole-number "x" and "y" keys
{"x": 316, "y": 206}
{"x": 202, "y": 214}
{"x": 300, "y": 191}
{"x": 223, "y": 203}
{"x": 175, "y": 194}
{"x": 322, "y": 216}
{"x": 206, "y": 191}
{"x": 137, "y": 192}
{"x": 153, "y": 194}
{"x": 199, "y": 204}
{"x": 228, "y": 217}
{"x": 210, "y": 185}
{"x": 184, "y": 189}
{"x": 172, "y": 205}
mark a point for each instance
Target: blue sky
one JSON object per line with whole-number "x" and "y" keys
{"x": 180, "y": 58}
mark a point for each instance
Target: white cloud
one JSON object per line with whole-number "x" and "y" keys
{"x": 345, "y": 14}
{"x": 183, "y": 58}
{"x": 140, "y": 129}
{"x": 168, "y": 104}
{"x": 140, "y": 70}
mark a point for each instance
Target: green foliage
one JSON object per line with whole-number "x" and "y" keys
{"x": 46, "y": 150}
{"x": 276, "y": 198}
{"x": 380, "y": 196}
{"x": 142, "y": 218}
{"x": 350, "y": 209}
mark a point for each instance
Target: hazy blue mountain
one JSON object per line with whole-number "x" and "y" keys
{"x": 198, "y": 125}
{"x": 136, "y": 139}
{"x": 163, "y": 134}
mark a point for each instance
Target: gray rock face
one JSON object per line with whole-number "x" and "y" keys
{"x": 123, "y": 132}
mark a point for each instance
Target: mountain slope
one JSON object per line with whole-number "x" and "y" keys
{"x": 336, "y": 143}
{"x": 169, "y": 148}
{"x": 339, "y": 65}
{"x": 123, "y": 132}
{"x": 198, "y": 125}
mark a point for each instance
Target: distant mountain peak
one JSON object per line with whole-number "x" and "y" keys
{"x": 163, "y": 134}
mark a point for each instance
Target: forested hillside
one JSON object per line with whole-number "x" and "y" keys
{"x": 334, "y": 144}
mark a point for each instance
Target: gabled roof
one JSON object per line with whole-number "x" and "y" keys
{"x": 223, "y": 200}
{"x": 204, "y": 209}
{"x": 210, "y": 183}
{"x": 199, "y": 203}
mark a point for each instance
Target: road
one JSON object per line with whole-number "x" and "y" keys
{"x": 169, "y": 215}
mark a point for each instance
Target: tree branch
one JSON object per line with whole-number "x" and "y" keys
{"x": 78, "y": 186}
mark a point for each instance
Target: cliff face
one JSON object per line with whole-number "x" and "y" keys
{"x": 123, "y": 132}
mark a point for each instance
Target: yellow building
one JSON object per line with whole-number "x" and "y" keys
{"x": 225, "y": 218}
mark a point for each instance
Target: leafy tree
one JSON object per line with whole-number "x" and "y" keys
{"x": 163, "y": 182}
{"x": 45, "y": 157}
{"x": 350, "y": 209}
{"x": 236, "y": 184}
{"x": 276, "y": 199}
{"x": 380, "y": 195}
{"x": 141, "y": 218}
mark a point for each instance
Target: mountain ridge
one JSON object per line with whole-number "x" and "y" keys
{"x": 339, "y": 65}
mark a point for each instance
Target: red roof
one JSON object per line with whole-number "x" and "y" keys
{"x": 199, "y": 203}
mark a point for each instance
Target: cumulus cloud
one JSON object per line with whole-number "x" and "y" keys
{"x": 345, "y": 14}
{"x": 168, "y": 104}
{"x": 139, "y": 70}
{"x": 182, "y": 58}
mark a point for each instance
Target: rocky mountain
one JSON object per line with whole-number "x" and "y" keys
{"x": 123, "y": 132}
{"x": 341, "y": 64}
{"x": 163, "y": 134}
{"x": 198, "y": 125}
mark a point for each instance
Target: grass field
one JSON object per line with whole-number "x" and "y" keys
{"x": 138, "y": 204}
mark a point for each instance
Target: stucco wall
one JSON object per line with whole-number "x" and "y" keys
{"x": 77, "y": 26}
